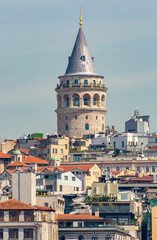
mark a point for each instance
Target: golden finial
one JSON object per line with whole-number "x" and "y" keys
{"x": 80, "y": 17}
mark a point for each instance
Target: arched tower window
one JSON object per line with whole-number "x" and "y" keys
{"x": 86, "y": 99}
{"x": 66, "y": 100}
{"x": 67, "y": 127}
{"x": 76, "y": 82}
{"x": 96, "y": 100}
{"x": 86, "y": 126}
{"x": 81, "y": 237}
{"x": 62, "y": 237}
{"x": 85, "y": 82}
{"x": 103, "y": 101}
{"x": 68, "y": 83}
{"x": 76, "y": 100}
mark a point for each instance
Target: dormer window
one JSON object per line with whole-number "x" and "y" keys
{"x": 83, "y": 58}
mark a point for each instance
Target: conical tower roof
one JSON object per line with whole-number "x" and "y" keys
{"x": 80, "y": 61}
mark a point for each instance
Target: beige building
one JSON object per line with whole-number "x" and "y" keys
{"x": 50, "y": 147}
{"x": 23, "y": 221}
{"x": 108, "y": 188}
{"x": 6, "y": 145}
{"x": 88, "y": 173}
{"x": 81, "y": 94}
{"x": 154, "y": 223}
{"x": 56, "y": 202}
{"x": 79, "y": 144}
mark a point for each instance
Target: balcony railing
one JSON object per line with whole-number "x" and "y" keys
{"x": 80, "y": 86}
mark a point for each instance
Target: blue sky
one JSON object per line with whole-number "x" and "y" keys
{"x": 38, "y": 36}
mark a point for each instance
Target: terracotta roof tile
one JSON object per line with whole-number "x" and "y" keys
{"x": 31, "y": 159}
{"x": 3, "y": 155}
{"x": 14, "y": 204}
{"x": 26, "y": 151}
{"x": 81, "y": 167}
{"x": 77, "y": 217}
{"x": 43, "y": 208}
{"x": 17, "y": 164}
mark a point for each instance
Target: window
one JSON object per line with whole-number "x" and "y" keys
{"x": 65, "y": 177}
{"x": 76, "y": 82}
{"x": 47, "y": 150}
{"x": 46, "y": 204}
{"x": 66, "y": 118}
{"x": 1, "y": 216}
{"x": 114, "y": 144}
{"x": 66, "y": 146}
{"x": 67, "y": 101}
{"x": 53, "y": 150}
{"x": 81, "y": 237}
{"x": 124, "y": 196}
{"x": 68, "y": 83}
{"x": 13, "y": 233}
{"x": 85, "y": 82}
{"x": 1, "y": 233}
{"x": 86, "y": 117}
{"x": 75, "y": 117}
{"x": 94, "y": 83}
{"x": 117, "y": 168}
{"x": 94, "y": 101}
{"x": 77, "y": 189}
{"x": 66, "y": 127}
{"x": 29, "y": 216}
{"x": 86, "y": 126}
{"x": 83, "y": 58}
{"x": 56, "y": 150}
{"x": 138, "y": 168}
{"x": 153, "y": 168}
{"x": 61, "y": 151}
{"x": 147, "y": 169}
{"x": 108, "y": 169}
{"x": 96, "y": 118}
{"x": 86, "y": 101}
{"x": 127, "y": 167}
{"x": 73, "y": 179}
{"x": 76, "y": 101}
{"x": 13, "y": 216}
{"x": 60, "y": 188}
{"x": 122, "y": 144}
{"x": 94, "y": 238}
{"x": 62, "y": 237}
{"x": 28, "y": 233}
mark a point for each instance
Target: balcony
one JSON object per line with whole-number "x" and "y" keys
{"x": 97, "y": 86}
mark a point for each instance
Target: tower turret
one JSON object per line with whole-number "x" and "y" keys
{"x": 81, "y": 94}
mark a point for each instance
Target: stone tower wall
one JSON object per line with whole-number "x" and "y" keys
{"x": 90, "y": 107}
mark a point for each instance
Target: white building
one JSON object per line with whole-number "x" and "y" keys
{"x": 59, "y": 182}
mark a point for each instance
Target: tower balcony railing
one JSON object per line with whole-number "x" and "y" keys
{"x": 59, "y": 86}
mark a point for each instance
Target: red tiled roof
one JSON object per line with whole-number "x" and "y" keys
{"x": 155, "y": 135}
{"x": 148, "y": 178}
{"x": 13, "y": 204}
{"x": 31, "y": 159}
{"x": 26, "y": 151}
{"x": 43, "y": 208}
{"x": 3, "y": 155}
{"x": 17, "y": 164}
{"x": 77, "y": 217}
{"x": 72, "y": 167}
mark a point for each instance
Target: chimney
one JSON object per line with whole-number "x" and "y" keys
{"x": 97, "y": 212}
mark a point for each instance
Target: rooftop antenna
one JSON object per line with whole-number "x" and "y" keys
{"x": 80, "y": 17}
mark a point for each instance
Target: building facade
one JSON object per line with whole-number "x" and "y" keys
{"x": 81, "y": 94}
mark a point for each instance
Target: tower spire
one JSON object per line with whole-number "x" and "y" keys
{"x": 80, "y": 17}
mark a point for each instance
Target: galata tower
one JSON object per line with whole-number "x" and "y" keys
{"x": 81, "y": 94}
